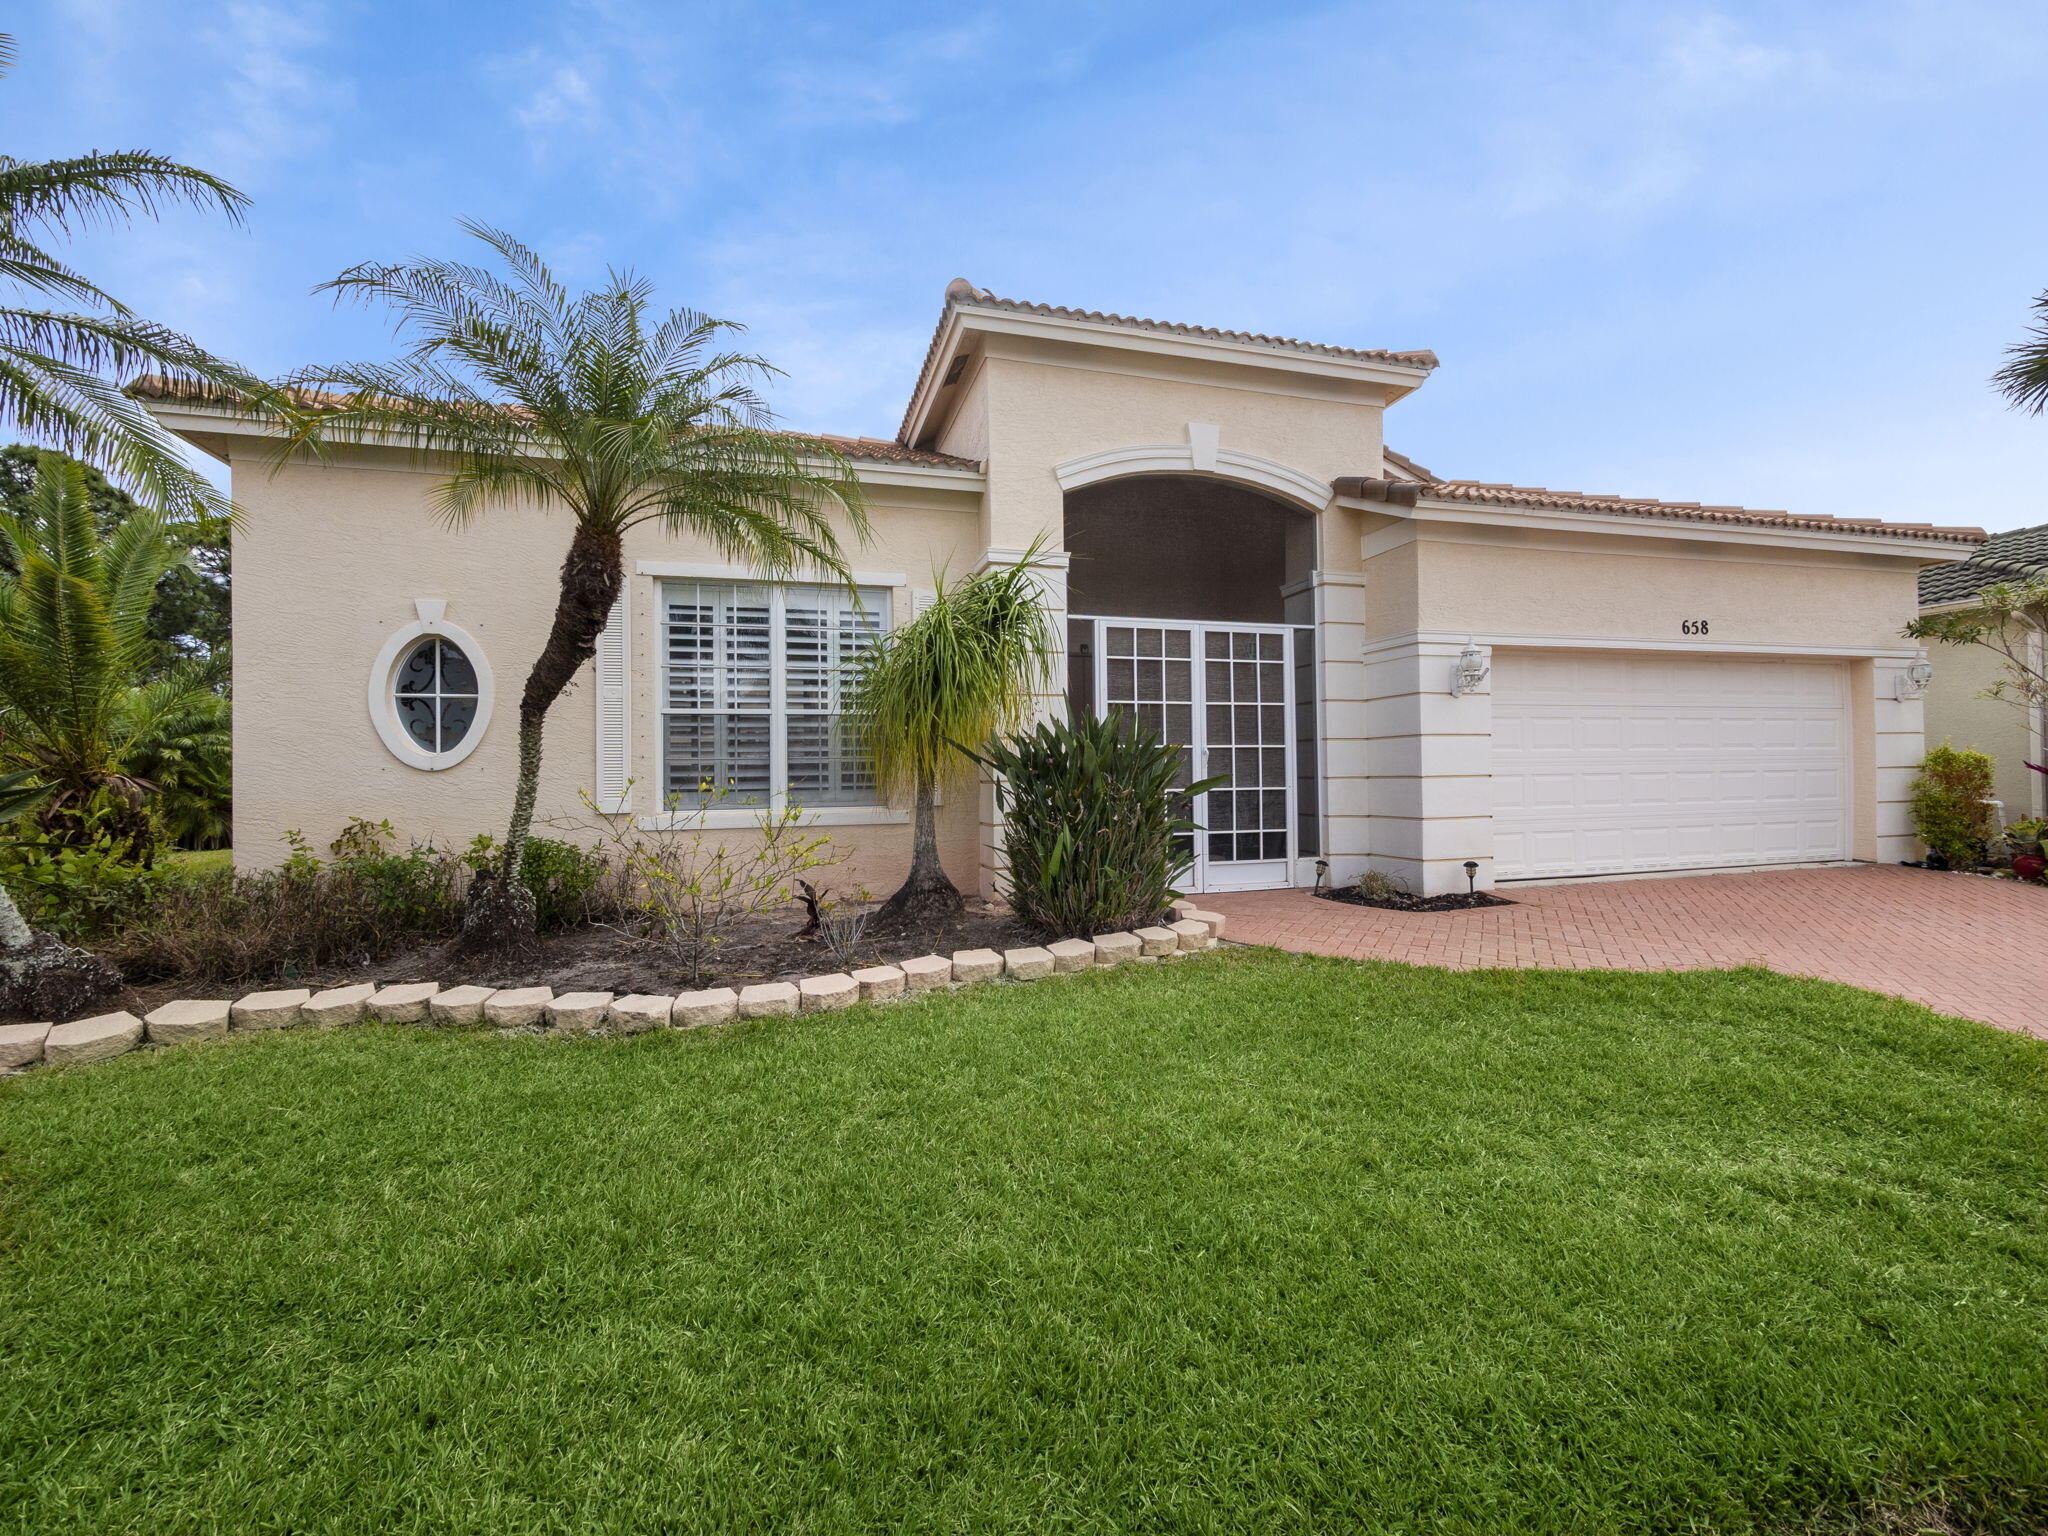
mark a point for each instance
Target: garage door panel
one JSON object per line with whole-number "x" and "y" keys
{"x": 1619, "y": 763}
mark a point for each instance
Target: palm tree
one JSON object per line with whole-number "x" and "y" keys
{"x": 61, "y": 374}
{"x": 2024, "y": 379}
{"x": 531, "y": 395}
{"x": 76, "y": 724}
{"x": 76, "y": 721}
{"x": 959, "y": 674}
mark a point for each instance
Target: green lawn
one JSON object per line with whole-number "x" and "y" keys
{"x": 199, "y": 863}
{"x": 1247, "y": 1244}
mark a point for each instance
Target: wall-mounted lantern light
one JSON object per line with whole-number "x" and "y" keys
{"x": 1470, "y": 672}
{"x": 1912, "y": 682}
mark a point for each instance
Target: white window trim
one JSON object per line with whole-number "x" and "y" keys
{"x": 733, "y": 818}
{"x": 746, "y": 575}
{"x": 750, "y": 817}
{"x": 383, "y": 699}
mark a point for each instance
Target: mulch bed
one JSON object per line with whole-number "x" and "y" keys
{"x": 599, "y": 958}
{"x": 1402, "y": 901}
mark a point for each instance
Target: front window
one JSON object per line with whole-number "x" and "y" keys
{"x": 753, "y": 684}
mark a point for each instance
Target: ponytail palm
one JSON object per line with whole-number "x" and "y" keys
{"x": 958, "y": 675}
{"x": 524, "y": 394}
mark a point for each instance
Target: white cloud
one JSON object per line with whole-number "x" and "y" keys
{"x": 269, "y": 100}
{"x": 564, "y": 98}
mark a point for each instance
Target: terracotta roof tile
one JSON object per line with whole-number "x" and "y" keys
{"x": 874, "y": 449}
{"x": 1490, "y": 493}
{"x": 960, "y": 291}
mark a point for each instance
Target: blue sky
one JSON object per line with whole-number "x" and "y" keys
{"x": 1753, "y": 253}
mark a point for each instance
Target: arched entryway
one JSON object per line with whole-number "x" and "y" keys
{"x": 1191, "y": 606}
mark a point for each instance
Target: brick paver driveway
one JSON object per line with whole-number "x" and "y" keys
{"x": 1977, "y": 948}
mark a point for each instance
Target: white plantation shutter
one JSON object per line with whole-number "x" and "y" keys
{"x": 614, "y": 694}
{"x": 753, "y": 688}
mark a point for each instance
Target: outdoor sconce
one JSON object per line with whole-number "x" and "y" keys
{"x": 1470, "y": 672}
{"x": 1912, "y": 683}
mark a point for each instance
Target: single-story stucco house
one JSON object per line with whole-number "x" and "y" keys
{"x": 1395, "y": 671}
{"x": 1957, "y": 711}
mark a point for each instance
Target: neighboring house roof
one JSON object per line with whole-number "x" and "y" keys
{"x": 2014, "y": 555}
{"x": 1485, "y": 493}
{"x": 882, "y": 450}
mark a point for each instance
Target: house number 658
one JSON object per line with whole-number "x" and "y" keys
{"x": 1693, "y": 627}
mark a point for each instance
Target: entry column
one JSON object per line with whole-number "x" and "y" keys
{"x": 1429, "y": 762}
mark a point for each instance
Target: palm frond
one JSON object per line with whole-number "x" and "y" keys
{"x": 97, "y": 190}
{"x": 74, "y": 609}
{"x": 531, "y": 395}
{"x": 2024, "y": 378}
{"x": 961, "y": 673}
{"x": 64, "y": 405}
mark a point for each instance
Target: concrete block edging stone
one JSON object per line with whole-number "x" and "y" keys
{"x": 23, "y": 1046}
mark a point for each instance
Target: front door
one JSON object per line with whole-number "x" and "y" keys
{"x": 1222, "y": 692}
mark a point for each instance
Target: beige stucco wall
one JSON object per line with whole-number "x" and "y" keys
{"x": 1643, "y": 588}
{"x": 327, "y": 568}
{"x": 1956, "y": 714}
{"x": 1410, "y": 766}
{"x": 1049, "y": 404}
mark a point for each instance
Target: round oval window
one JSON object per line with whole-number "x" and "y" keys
{"x": 436, "y": 694}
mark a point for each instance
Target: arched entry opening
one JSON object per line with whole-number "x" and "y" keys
{"x": 1191, "y": 607}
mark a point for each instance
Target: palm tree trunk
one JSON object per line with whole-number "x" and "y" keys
{"x": 500, "y": 910}
{"x": 14, "y": 929}
{"x": 926, "y": 894}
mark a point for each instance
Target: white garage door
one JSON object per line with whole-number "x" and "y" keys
{"x": 1615, "y": 762}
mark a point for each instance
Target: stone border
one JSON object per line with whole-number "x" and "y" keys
{"x": 593, "y": 1013}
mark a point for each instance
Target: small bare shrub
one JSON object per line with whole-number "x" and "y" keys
{"x": 693, "y": 887}
{"x": 1380, "y": 886}
{"x": 843, "y": 923}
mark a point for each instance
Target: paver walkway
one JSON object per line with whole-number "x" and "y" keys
{"x": 1967, "y": 946}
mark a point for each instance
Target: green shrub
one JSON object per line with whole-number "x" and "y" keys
{"x": 1095, "y": 831}
{"x": 565, "y": 878}
{"x": 1951, "y": 805}
{"x": 79, "y": 891}
{"x": 304, "y": 916}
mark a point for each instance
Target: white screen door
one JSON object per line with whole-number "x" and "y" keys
{"x": 1223, "y": 693}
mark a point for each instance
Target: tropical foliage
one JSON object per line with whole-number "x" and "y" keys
{"x": 83, "y": 727}
{"x": 61, "y": 373}
{"x": 2024, "y": 378}
{"x": 189, "y": 620}
{"x": 1094, "y": 829}
{"x": 2007, "y": 618}
{"x": 530, "y": 396}
{"x": 952, "y": 678}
